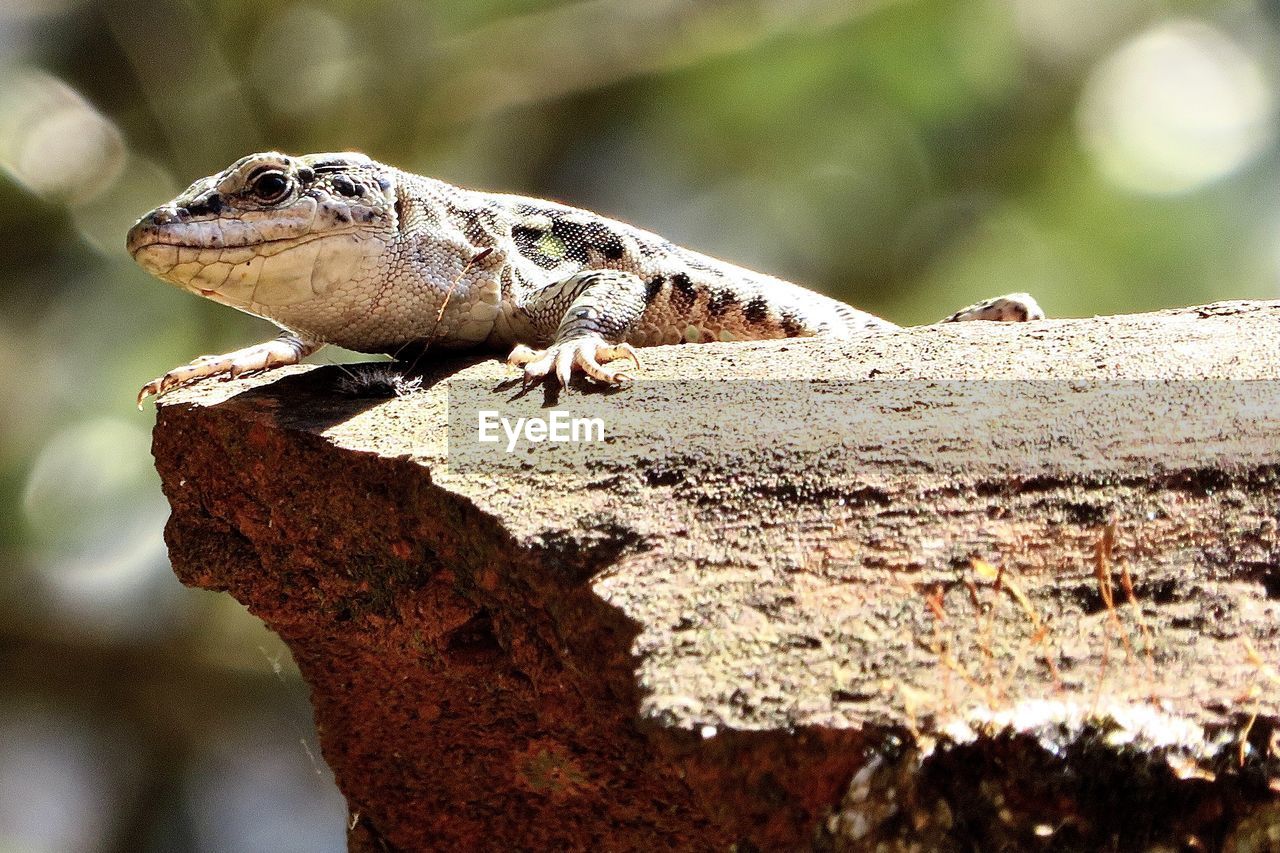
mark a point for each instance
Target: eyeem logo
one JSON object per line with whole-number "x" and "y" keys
{"x": 557, "y": 427}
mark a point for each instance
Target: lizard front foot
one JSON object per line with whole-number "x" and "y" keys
{"x": 282, "y": 351}
{"x": 587, "y": 355}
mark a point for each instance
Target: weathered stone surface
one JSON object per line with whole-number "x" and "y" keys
{"x": 945, "y": 560}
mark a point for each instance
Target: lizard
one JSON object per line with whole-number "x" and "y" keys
{"x": 341, "y": 249}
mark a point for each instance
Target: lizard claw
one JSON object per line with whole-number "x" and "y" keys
{"x": 151, "y": 388}
{"x": 588, "y": 355}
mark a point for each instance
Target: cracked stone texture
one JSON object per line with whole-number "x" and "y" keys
{"x": 862, "y": 555}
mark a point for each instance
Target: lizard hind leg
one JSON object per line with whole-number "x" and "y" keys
{"x": 1010, "y": 308}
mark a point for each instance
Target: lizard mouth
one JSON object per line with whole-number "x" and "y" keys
{"x": 267, "y": 273}
{"x": 172, "y": 258}
{"x": 143, "y": 236}
{"x": 172, "y": 230}
{"x": 147, "y": 235}
{"x": 163, "y": 228}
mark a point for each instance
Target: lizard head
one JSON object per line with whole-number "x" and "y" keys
{"x": 272, "y": 230}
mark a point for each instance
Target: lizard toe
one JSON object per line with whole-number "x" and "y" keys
{"x": 619, "y": 351}
{"x": 150, "y": 389}
{"x": 521, "y": 355}
{"x": 540, "y": 363}
{"x": 567, "y": 358}
{"x": 590, "y": 364}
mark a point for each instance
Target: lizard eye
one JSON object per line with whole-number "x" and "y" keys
{"x": 269, "y": 186}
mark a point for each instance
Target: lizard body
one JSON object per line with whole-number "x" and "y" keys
{"x": 340, "y": 249}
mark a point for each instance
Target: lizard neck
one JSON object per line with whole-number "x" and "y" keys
{"x": 437, "y": 282}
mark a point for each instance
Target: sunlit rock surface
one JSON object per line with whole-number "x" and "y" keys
{"x": 964, "y": 587}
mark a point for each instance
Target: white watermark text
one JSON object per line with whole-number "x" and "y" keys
{"x": 492, "y": 427}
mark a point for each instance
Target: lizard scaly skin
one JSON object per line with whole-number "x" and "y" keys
{"x": 340, "y": 249}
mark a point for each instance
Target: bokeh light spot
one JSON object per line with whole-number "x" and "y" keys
{"x": 1179, "y": 106}
{"x": 86, "y": 476}
{"x": 53, "y": 141}
{"x": 91, "y": 498}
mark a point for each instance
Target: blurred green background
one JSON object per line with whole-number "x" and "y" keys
{"x": 908, "y": 156}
